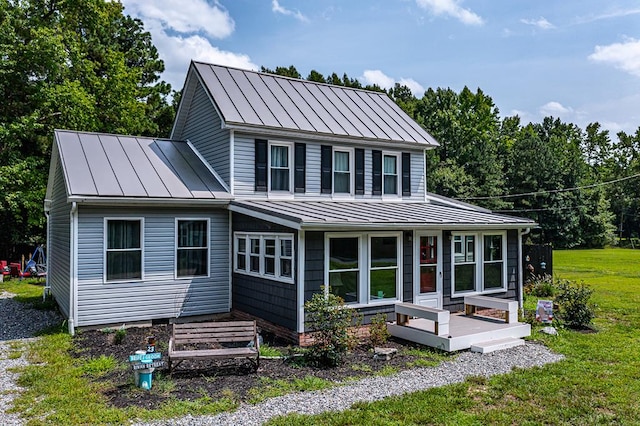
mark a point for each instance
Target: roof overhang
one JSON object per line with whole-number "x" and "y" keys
{"x": 129, "y": 201}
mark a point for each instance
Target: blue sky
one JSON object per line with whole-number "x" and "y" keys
{"x": 578, "y": 60}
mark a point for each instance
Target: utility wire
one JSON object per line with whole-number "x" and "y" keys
{"x": 551, "y": 191}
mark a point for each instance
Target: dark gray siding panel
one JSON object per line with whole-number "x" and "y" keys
{"x": 447, "y": 302}
{"x": 160, "y": 294}
{"x": 407, "y": 267}
{"x": 203, "y": 130}
{"x": 59, "y": 244}
{"x": 512, "y": 264}
{"x": 271, "y": 300}
{"x": 313, "y": 263}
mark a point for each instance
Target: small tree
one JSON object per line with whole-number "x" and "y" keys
{"x": 329, "y": 319}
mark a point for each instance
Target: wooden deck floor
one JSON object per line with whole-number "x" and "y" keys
{"x": 464, "y": 331}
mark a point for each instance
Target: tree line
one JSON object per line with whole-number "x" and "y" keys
{"x": 85, "y": 65}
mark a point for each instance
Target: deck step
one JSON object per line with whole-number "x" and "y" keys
{"x": 496, "y": 345}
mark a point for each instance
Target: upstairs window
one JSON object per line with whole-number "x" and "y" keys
{"x": 390, "y": 174}
{"x": 280, "y": 167}
{"x": 192, "y": 248}
{"x": 342, "y": 172}
{"x": 123, "y": 250}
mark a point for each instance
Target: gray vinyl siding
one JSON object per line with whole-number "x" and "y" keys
{"x": 244, "y": 170}
{"x": 160, "y": 294}
{"x": 59, "y": 244}
{"x": 203, "y": 129}
{"x": 269, "y": 299}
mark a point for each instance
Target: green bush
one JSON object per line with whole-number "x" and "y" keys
{"x": 329, "y": 319}
{"x": 575, "y": 309}
{"x": 542, "y": 286}
{"x": 378, "y": 332}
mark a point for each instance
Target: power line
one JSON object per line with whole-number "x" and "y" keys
{"x": 551, "y": 191}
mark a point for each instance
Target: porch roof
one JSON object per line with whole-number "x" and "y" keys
{"x": 321, "y": 215}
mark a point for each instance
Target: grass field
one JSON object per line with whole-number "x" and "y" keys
{"x": 597, "y": 383}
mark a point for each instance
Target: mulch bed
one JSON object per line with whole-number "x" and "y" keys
{"x": 193, "y": 380}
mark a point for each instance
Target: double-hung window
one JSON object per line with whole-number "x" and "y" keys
{"x": 342, "y": 172}
{"x": 264, "y": 255}
{"x": 390, "y": 174}
{"x": 192, "y": 248}
{"x": 123, "y": 249}
{"x": 280, "y": 167}
{"x": 479, "y": 263}
{"x": 383, "y": 267}
{"x": 344, "y": 268}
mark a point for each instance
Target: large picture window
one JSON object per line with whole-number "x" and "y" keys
{"x": 279, "y": 167}
{"x": 192, "y": 248}
{"x": 123, "y": 249}
{"x": 363, "y": 268}
{"x": 479, "y": 263}
{"x": 344, "y": 268}
{"x": 264, "y": 255}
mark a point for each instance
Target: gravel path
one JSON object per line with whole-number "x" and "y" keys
{"x": 18, "y": 323}
{"x": 376, "y": 388}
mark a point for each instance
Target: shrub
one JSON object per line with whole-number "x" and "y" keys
{"x": 575, "y": 309}
{"x": 118, "y": 337}
{"x": 329, "y": 319}
{"x": 378, "y": 333}
{"x": 542, "y": 286}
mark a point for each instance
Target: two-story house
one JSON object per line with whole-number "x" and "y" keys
{"x": 269, "y": 190}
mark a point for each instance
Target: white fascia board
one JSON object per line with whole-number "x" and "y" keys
{"x": 265, "y": 216}
{"x": 270, "y": 132}
{"x": 116, "y": 201}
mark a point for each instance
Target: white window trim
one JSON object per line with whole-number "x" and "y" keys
{"x": 105, "y": 249}
{"x": 247, "y": 236}
{"x": 175, "y": 249}
{"x": 364, "y": 264}
{"x": 398, "y": 193}
{"x": 479, "y": 263}
{"x": 290, "y": 148}
{"x": 352, "y": 173}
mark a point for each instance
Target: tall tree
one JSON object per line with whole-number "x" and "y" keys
{"x": 77, "y": 64}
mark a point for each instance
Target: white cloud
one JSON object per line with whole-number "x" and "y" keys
{"x": 541, "y": 23}
{"x": 381, "y": 79}
{"x": 450, "y": 8}
{"x": 555, "y": 109}
{"x": 180, "y": 29}
{"x": 275, "y": 7}
{"x": 184, "y": 16}
{"x": 624, "y": 56}
{"x": 620, "y": 13}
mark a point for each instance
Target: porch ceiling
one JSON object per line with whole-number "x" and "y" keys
{"x": 310, "y": 215}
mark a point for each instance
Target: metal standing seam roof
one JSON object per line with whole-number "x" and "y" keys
{"x": 252, "y": 99}
{"x": 105, "y": 165}
{"x": 324, "y": 214}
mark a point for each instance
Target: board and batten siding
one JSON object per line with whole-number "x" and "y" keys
{"x": 203, "y": 128}
{"x": 244, "y": 170}
{"x": 59, "y": 244}
{"x": 160, "y": 294}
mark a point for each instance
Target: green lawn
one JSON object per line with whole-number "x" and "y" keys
{"x": 597, "y": 383}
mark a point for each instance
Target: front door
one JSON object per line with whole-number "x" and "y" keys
{"x": 428, "y": 270}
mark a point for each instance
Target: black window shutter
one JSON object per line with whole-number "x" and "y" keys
{"x": 300, "y": 161}
{"x": 406, "y": 174}
{"x": 326, "y": 152}
{"x": 377, "y": 172}
{"x": 261, "y": 165}
{"x": 359, "y": 171}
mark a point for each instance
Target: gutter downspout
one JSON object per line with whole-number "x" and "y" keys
{"x": 73, "y": 220}
{"x": 521, "y": 269}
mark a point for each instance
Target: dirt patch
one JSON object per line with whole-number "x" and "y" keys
{"x": 193, "y": 380}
